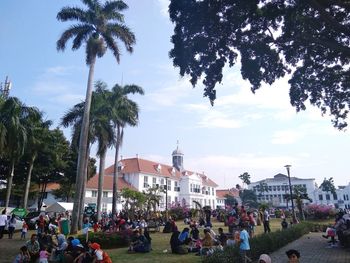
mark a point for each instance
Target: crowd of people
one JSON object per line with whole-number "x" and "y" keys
{"x": 198, "y": 236}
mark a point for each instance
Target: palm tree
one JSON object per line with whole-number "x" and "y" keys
{"x": 37, "y": 136}
{"x": 153, "y": 197}
{"x": 99, "y": 27}
{"x": 100, "y": 128}
{"x": 13, "y": 116}
{"x": 125, "y": 112}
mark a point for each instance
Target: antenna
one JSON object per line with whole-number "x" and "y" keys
{"x": 5, "y": 88}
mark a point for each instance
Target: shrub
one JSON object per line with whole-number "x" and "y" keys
{"x": 320, "y": 211}
{"x": 265, "y": 243}
{"x": 178, "y": 211}
{"x": 109, "y": 240}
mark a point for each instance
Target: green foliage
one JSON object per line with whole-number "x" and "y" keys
{"x": 245, "y": 177}
{"x": 230, "y": 200}
{"x": 109, "y": 240}
{"x": 271, "y": 39}
{"x": 248, "y": 197}
{"x": 262, "y": 244}
{"x": 328, "y": 185}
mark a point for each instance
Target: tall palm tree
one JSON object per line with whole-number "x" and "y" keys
{"x": 100, "y": 129}
{"x": 13, "y": 116}
{"x": 37, "y": 137}
{"x": 124, "y": 112}
{"x": 100, "y": 26}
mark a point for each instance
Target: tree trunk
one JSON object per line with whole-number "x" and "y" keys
{"x": 9, "y": 184}
{"x": 83, "y": 145}
{"x": 82, "y": 197}
{"x": 29, "y": 178}
{"x": 115, "y": 174}
{"x": 100, "y": 183}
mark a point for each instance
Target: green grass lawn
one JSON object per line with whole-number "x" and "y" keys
{"x": 160, "y": 243}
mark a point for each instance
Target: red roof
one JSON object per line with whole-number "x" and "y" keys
{"x": 222, "y": 193}
{"x": 108, "y": 183}
{"x": 137, "y": 165}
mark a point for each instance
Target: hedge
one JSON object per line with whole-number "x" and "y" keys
{"x": 264, "y": 244}
{"x": 109, "y": 240}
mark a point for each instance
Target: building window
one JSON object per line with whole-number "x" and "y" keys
{"x": 169, "y": 185}
{"x": 320, "y": 197}
{"x": 154, "y": 182}
{"x": 94, "y": 193}
{"x": 274, "y": 188}
{"x": 328, "y": 197}
{"x": 176, "y": 200}
{"x": 278, "y": 188}
{"x": 105, "y": 194}
{"x": 335, "y": 197}
{"x": 191, "y": 190}
{"x": 104, "y": 207}
{"x": 270, "y": 188}
{"x": 212, "y": 191}
{"x": 145, "y": 181}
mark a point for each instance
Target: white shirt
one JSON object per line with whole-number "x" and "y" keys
{"x": 3, "y": 220}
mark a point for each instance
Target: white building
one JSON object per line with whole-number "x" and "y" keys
{"x": 183, "y": 186}
{"x": 278, "y": 188}
{"x": 339, "y": 200}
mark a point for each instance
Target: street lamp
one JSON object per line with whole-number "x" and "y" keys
{"x": 166, "y": 198}
{"x": 291, "y": 193}
{"x": 286, "y": 193}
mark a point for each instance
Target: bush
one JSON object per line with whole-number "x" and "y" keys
{"x": 265, "y": 243}
{"x": 109, "y": 240}
{"x": 320, "y": 211}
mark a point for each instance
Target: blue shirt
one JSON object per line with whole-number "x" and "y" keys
{"x": 244, "y": 237}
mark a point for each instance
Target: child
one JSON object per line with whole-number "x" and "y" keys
{"x": 23, "y": 256}
{"x": 24, "y": 230}
{"x": 44, "y": 255}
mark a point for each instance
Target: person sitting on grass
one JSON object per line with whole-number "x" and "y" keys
{"x": 140, "y": 243}
{"x": 221, "y": 236}
{"x": 176, "y": 245}
{"x": 184, "y": 236}
{"x": 99, "y": 255}
{"x": 231, "y": 242}
{"x": 293, "y": 256}
{"x": 207, "y": 243}
{"x": 284, "y": 224}
{"x": 194, "y": 234}
{"x": 23, "y": 256}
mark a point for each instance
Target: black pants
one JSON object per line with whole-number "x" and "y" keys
{"x": 267, "y": 226}
{"x": 2, "y": 231}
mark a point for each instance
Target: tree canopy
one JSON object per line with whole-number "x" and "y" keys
{"x": 328, "y": 185}
{"x": 307, "y": 39}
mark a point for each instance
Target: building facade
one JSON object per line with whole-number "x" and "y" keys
{"x": 274, "y": 190}
{"x": 340, "y": 199}
{"x": 182, "y": 186}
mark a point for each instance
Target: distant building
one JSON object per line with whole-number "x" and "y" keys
{"x": 183, "y": 186}
{"x": 339, "y": 200}
{"x": 278, "y": 188}
{"x": 221, "y": 196}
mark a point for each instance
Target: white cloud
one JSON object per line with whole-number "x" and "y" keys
{"x": 286, "y": 137}
{"x": 164, "y": 4}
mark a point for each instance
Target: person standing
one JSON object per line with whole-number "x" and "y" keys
{"x": 3, "y": 222}
{"x": 24, "y": 230}
{"x": 244, "y": 246}
{"x": 266, "y": 221}
{"x": 12, "y": 226}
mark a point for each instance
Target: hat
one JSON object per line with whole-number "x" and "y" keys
{"x": 265, "y": 258}
{"x": 95, "y": 246}
{"x": 75, "y": 242}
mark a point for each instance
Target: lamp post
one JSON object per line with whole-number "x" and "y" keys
{"x": 291, "y": 193}
{"x": 166, "y": 198}
{"x": 286, "y": 193}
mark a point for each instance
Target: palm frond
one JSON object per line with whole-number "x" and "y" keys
{"x": 73, "y": 115}
{"x": 112, "y": 45}
{"x": 92, "y": 4}
{"x": 72, "y": 13}
{"x": 123, "y": 33}
{"x": 73, "y": 31}
{"x": 111, "y": 10}
{"x": 133, "y": 89}
{"x": 82, "y": 36}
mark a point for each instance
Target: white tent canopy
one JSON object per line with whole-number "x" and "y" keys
{"x": 60, "y": 207}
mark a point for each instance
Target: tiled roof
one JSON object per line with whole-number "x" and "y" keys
{"x": 108, "y": 183}
{"x": 222, "y": 193}
{"x": 138, "y": 165}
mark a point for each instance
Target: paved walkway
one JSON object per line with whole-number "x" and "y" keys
{"x": 313, "y": 249}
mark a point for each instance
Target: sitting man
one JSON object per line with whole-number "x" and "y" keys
{"x": 140, "y": 243}
{"x": 33, "y": 247}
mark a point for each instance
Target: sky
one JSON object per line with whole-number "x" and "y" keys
{"x": 244, "y": 132}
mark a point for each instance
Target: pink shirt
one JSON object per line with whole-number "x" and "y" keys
{"x": 43, "y": 254}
